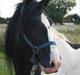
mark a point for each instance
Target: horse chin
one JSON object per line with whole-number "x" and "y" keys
{"x": 49, "y": 70}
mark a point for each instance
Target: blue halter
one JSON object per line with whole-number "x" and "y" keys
{"x": 36, "y": 49}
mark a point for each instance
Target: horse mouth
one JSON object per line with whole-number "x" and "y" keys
{"x": 49, "y": 70}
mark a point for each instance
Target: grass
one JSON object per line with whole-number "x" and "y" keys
{"x": 3, "y": 66}
{"x": 4, "y": 70}
{"x": 1, "y": 41}
{"x": 71, "y": 32}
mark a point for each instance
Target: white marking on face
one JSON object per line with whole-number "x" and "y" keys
{"x": 38, "y": 0}
{"x": 53, "y": 48}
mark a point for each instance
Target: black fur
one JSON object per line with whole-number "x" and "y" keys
{"x": 26, "y": 19}
{"x": 75, "y": 46}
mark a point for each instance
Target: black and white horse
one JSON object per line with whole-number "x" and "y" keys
{"x": 29, "y": 40}
{"x": 70, "y": 55}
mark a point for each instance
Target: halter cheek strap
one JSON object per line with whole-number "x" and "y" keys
{"x": 36, "y": 49}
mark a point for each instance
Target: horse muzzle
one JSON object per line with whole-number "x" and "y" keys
{"x": 53, "y": 68}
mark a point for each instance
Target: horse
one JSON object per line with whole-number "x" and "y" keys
{"x": 70, "y": 55}
{"x": 29, "y": 40}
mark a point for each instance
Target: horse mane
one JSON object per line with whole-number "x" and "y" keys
{"x": 12, "y": 24}
{"x": 9, "y": 37}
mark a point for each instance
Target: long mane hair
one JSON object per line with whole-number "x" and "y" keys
{"x": 9, "y": 37}
{"x": 16, "y": 21}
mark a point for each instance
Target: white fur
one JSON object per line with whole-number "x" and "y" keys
{"x": 53, "y": 48}
{"x": 70, "y": 57}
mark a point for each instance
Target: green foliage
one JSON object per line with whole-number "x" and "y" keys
{"x": 76, "y": 19}
{"x": 73, "y": 18}
{"x": 58, "y": 8}
{"x": 3, "y": 20}
{"x": 56, "y": 14}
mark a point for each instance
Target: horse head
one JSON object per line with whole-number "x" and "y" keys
{"x": 33, "y": 40}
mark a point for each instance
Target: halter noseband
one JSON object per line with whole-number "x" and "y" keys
{"x": 36, "y": 49}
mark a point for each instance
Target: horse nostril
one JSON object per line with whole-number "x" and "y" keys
{"x": 56, "y": 71}
{"x": 52, "y": 64}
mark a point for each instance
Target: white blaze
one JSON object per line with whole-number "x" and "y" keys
{"x": 53, "y": 48}
{"x": 38, "y": 0}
